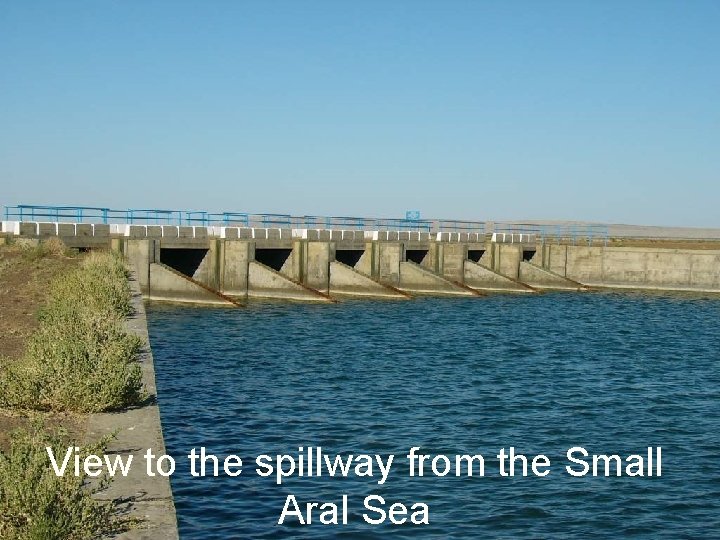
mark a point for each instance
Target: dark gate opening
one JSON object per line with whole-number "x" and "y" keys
{"x": 275, "y": 258}
{"x": 416, "y": 255}
{"x": 184, "y": 260}
{"x": 528, "y": 254}
{"x": 349, "y": 256}
{"x": 475, "y": 254}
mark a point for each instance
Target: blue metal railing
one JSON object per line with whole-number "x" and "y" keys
{"x": 571, "y": 233}
{"x": 153, "y": 217}
{"x": 77, "y": 214}
{"x": 84, "y": 214}
{"x": 403, "y": 225}
{"x": 232, "y": 219}
{"x": 454, "y": 225}
{"x": 326, "y": 222}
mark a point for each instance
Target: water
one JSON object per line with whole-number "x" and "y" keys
{"x": 614, "y": 373}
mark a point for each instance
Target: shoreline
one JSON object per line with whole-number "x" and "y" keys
{"x": 149, "y": 499}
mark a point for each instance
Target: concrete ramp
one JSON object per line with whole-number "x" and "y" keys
{"x": 169, "y": 285}
{"x": 346, "y": 281}
{"x": 264, "y": 282}
{"x": 540, "y": 278}
{"x": 482, "y": 278}
{"x": 418, "y": 280}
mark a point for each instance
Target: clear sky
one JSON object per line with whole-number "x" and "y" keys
{"x": 602, "y": 111}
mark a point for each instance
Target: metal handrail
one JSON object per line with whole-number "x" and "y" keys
{"x": 87, "y": 214}
{"x": 572, "y": 232}
{"x": 563, "y": 233}
{"x": 453, "y": 225}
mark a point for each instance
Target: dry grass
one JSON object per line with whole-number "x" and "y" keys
{"x": 66, "y": 349}
{"x": 35, "y": 504}
{"x": 80, "y": 358}
{"x": 24, "y": 283}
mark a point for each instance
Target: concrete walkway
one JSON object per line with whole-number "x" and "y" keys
{"x": 147, "y": 499}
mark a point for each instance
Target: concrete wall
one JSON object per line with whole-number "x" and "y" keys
{"x": 226, "y": 265}
{"x": 389, "y": 255}
{"x": 289, "y": 267}
{"x": 208, "y": 272}
{"x": 419, "y": 280}
{"x": 298, "y": 260}
{"x": 264, "y": 282}
{"x": 365, "y": 264}
{"x": 645, "y": 268}
{"x": 506, "y": 259}
{"x": 236, "y": 256}
{"x": 433, "y": 257}
{"x": 131, "y": 432}
{"x": 541, "y": 278}
{"x": 554, "y": 258}
{"x": 482, "y": 278}
{"x": 317, "y": 270}
{"x": 346, "y": 281}
{"x": 453, "y": 261}
{"x": 170, "y": 285}
{"x": 140, "y": 253}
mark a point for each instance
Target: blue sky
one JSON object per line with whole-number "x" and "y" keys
{"x": 602, "y": 111}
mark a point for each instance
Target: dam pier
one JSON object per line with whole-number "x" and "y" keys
{"x": 227, "y": 264}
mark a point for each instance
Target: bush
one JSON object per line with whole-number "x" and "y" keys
{"x": 99, "y": 286}
{"x": 81, "y": 358}
{"x": 53, "y": 246}
{"x": 35, "y": 504}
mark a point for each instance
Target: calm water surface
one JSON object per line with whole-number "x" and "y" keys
{"x": 613, "y": 373}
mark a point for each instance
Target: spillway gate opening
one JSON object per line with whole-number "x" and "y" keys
{"x": 475, "y": 254}
{"x": 349, "y": 257}
{"x": 275, "y": 258}
{"x": 184, "y": 260}
{"x": 416, "y": 255}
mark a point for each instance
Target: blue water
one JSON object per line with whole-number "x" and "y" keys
{"x": 613, "y": 373}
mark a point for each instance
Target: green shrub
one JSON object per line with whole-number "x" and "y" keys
{"x": 37, "y": 250}
{"x": 85, "y": 366}
{"x": 100, "y": 285}
{"x": 81, "y": 358}
{"x": 33, "y": 252}
{"x": 37, "y": 505}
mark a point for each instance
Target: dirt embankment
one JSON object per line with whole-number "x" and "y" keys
{"x": 664, "y": 243}
{"x": 25, "y": 274}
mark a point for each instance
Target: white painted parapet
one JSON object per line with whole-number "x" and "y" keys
{"x": 328, "y": 234}
{"x": 161, "y": 231}
{"x": 11, "y": 227}
{"x": 131, "y": 230}
{"x": 416, "y": 236}
{"x": 460, "y": 237}
{"x": 513, "y": 238}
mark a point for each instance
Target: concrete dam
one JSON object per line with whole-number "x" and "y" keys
{"x": 227, "y": 265}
